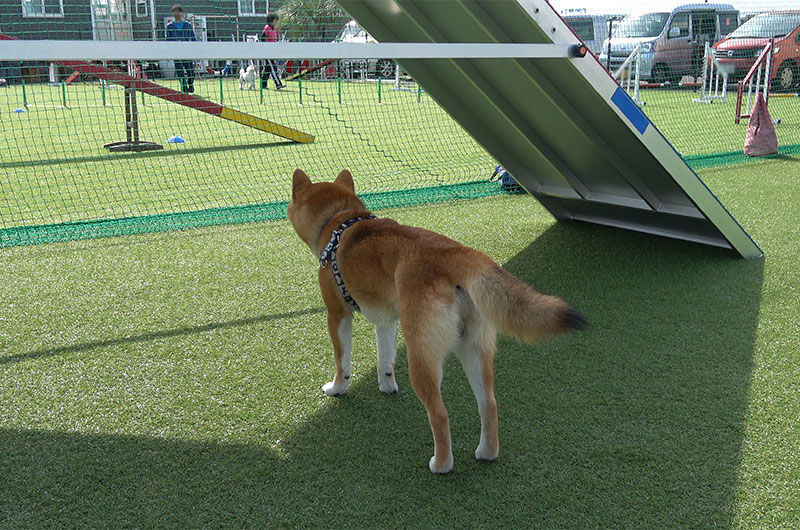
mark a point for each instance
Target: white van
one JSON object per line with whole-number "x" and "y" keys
{"x": 592, "y": 27}
{"x": 673, "y": 39}
{"x": 353, "y": 32}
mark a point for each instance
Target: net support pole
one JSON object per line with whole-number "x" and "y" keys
{"x": 24, "y": 93}
{"x": 300, "y": 86}
{"x": 64, "y": 95}
{"x": 339, "y": 86}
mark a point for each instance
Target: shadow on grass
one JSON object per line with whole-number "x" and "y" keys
{"x": 636, "y": 423}
{"x": 155, "y": 335}
{"x": 146, "y": 154}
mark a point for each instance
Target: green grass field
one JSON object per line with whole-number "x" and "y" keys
{"x": 56, "y": 170}
{"x": 173, "y": 380}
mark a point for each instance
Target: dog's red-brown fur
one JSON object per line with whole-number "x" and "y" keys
{"x": 447, "y": 297}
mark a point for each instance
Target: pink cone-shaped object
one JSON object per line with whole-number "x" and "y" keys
{"x": 761, "y": 138}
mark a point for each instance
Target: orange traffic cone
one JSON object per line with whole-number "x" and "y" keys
{"x": 761, "y": 138}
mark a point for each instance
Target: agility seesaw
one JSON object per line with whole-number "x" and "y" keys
{"x": 187, "y": 100}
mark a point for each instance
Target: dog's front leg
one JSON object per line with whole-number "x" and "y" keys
{"x": 340, "y": 326}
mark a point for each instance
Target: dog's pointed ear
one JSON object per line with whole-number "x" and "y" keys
{"x": 300, "y": 182}
{"x": 345, "y": 178}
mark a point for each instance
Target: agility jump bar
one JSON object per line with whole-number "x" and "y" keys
{"x": 53, "y": 50}
{"x": 186, "y": 100}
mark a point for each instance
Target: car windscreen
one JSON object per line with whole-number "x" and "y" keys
{"x": 350, "y": 31}
{"x": 640, "y": 26}
{"x": 583, "y": 26}
{"x": 767, "y": 26}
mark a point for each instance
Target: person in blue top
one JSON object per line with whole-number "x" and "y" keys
{"x": 181, "y": 30}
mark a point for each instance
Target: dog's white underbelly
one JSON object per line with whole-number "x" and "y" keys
{"x": 380, "y": 316}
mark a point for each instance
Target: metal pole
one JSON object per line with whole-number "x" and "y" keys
{"x": 24, "y": 92}
{"x": 64, "y": 94}
{"x": 380, "y": 84}
{"x": 339, "y": 86}
{"x": 705, "y": 74}
{"x": 221, "y": 96}
{"x": 129, "y": 114}
{"x": 396, "y": 76}
{"x": 769, "y": 71}
{"x": 300, "y": 86}
{"x": 103, "y": 91}
{"x": 134, "y": 118}
{"x": 419, "y": 93}
{"x": 260, "y": 89}
{"x": 638, "y": 77}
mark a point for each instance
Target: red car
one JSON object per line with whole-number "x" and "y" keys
{"x": 738, "y": 52}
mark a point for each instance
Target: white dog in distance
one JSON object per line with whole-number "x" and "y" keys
{"x": 248, "y": 77}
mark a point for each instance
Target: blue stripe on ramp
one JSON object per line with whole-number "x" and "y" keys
{"x": 630, "y": 110}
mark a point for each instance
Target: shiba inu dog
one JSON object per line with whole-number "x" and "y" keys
{"x": 447, "y": 298}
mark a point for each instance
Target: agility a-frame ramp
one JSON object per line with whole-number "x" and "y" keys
{"x": 562, "y": 126}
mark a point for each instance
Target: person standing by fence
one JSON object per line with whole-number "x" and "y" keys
{"x": 181, "y": 30}
{"x": 270, "y": 34}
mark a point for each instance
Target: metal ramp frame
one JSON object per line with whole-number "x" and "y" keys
{"x": 563, "y": 127}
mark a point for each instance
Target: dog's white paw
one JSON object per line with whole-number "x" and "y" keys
{"x": 483, "y": 453}
{"x": 388, "y": 386}
{"x": 332, "y": 389}
{"x": 441, "y": 469}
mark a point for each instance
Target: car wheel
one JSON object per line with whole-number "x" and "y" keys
{"x": 386, "y": 68}
{"x": 660, "y": 74}
{"x": 787, "y": 78}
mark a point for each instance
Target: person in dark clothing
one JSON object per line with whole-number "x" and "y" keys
{"x": 181, "y": 30}
{"x": 270, "y": 70}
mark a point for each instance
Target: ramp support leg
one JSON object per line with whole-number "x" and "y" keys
{"x": 132, "y": 142}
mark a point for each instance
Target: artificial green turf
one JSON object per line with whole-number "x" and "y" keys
{"x": 54, "y": 168}
{"x": 697, "y": 129}
{"x": 173, "y": 380}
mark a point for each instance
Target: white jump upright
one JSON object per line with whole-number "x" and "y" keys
{"x": 629, "y": 75}
{"x": 715, "y": 79}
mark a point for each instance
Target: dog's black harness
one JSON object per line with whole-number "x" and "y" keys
{"x": 329, "y": 255}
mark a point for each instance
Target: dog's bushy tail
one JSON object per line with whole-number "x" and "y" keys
{"x": 517, "y": 309}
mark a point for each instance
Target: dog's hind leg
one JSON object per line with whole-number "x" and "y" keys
{"x": 387, "y": 351}
{"x": 431, "y": 330}
{"x": 425, "y": 370}
{"x": 476, "y": 351}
